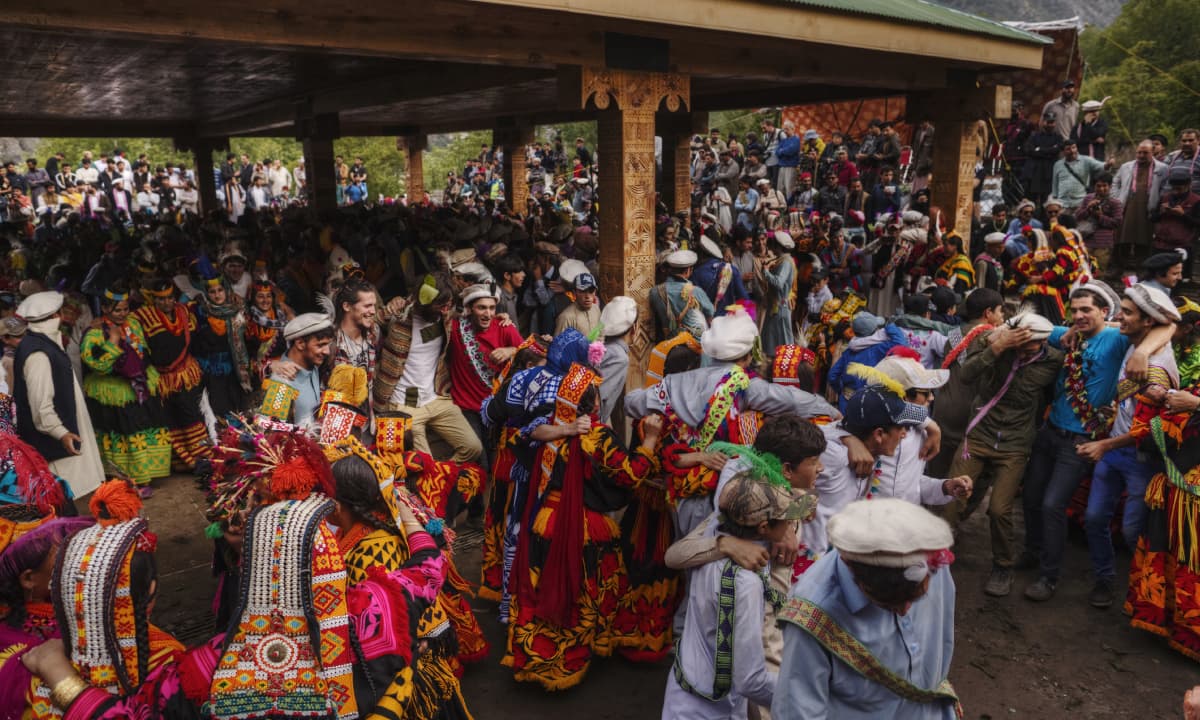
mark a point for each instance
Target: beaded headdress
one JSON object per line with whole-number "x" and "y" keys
{"x": 262, "y": 457}
{"x": 95, "y": 607}
{"x": 656, "y": 366}
{"x": 289, "y": 654}
{"x": 788, "y": 359}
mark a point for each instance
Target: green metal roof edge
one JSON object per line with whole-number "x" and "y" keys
{"x": 921, "y": 12}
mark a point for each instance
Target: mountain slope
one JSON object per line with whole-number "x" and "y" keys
{"x": 1096, "y": 12}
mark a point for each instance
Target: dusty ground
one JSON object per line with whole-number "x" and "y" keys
{"x": 1013, "y": 658}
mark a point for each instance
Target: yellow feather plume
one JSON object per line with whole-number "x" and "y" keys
{"x": 871, "y": 376}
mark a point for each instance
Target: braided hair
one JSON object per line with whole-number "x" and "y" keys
{"x": 357, "y": 489}
{"x": 142, "y": 574}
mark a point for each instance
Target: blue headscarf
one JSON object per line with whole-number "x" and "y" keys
{"x": 568, "y": 348}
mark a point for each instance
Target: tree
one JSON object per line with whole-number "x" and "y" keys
{"x": 159, "y": 151}
{"x": 1146, "y": 60}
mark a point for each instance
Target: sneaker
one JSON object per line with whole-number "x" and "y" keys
{"x": 1102, "y": 594}
{"x": 1041, "y": 591}
{"x": 999, "y": 583}
{"x": 1027, "y": 561}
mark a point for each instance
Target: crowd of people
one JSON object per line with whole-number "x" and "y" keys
{"x": 837, "y": 380}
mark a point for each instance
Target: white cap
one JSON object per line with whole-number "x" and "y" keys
{"x": 40, "y": 306}
{"x": 571, "y": 269}
{"x": 681, "y": 259}
{"x": 889, "y": 532}
{"x": 305, "y": 325}
{"x": 711, "y": 247}
{"x": 912, "y": 374}
{"x": 995, "y": 237}
{"x": 618, "y": 315}
{"x": 731, "y": 336}
{"x": 1038, "y": 326}
{"x": 1154, "y": 302}
{"x": 784, "y": 240}
{"x": 475, "y": 292}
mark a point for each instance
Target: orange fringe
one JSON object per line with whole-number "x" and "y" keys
{"x": 115, "y": 502}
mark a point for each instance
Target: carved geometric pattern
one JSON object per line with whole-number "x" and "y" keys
{"x": 635, "y": 90}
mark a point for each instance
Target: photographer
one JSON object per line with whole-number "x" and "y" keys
{"x": 1177, "y": 218}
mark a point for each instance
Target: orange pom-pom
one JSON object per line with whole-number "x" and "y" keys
{"x": 292, "y": 480}
{"x": 115, "y": 502}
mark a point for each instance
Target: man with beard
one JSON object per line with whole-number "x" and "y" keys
{"x": 1065, "y": 110}
{"x": 413, "y": 376}
{"x": 51, "y": 411}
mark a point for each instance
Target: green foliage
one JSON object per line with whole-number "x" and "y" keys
{"x": 740, "y": 122}
{"x": 1147, "y": 61}
{"x": 387, "y": 167}
{"x": 585, "y": 129}
{"x": 450, "y": 152}
{"x": 264, "y": 148}
{"x": 159, "y": 150}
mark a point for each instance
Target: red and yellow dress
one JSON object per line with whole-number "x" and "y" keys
{"x": 1164, "y": 578}
{"x": 180, "y": 382}
{"x": 569, "y": 576}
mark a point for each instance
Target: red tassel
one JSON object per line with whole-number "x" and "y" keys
{"x": 293, "y": 480}
{"x": 115, "y": 502}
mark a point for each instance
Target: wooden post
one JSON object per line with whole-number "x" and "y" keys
{"x": 317, "y": 132}
{"x": 414, "y": 150}
{"x": 956, "y": 114}
{"x": 628, "y": 102}
{"x": 512, "y": 136}
{"x": 676, "y": 131}
{"x": 206, "y": 182}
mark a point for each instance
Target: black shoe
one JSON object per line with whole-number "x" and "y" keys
{"x": 1102, "y": 594}
{"x": 999, "y": 584}
{"x": 1042, "y": 590}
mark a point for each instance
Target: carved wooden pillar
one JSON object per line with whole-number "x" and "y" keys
{"x": 414, "y": 153}
{"x": 628, "y": 102}
{"x": 676, "y": 131}
{"x": 956, "y": 114}
{"x": 202, "y": 150}
{"x": 512, "y": 137}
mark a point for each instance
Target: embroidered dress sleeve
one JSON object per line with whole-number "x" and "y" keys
{"x": 98, "y": 353}
{"x": 424, "y": 572}
{"x": 624, "y": 468}
{"x": 160, "y": 696}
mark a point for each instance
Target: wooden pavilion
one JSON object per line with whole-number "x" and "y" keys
{"x": 202, "y": 72}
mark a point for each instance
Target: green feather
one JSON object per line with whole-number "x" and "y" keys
{"x": 767, "y": 465}
{"x": 596, "y": 333}
{"x": 214, "y": 531}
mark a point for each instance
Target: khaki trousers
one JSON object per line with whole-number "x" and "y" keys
{"x": 1002, "y": 472}
{"x": 446, "y": 419}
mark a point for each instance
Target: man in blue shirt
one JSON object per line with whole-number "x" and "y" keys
{"x": 1086, "y": 387}
{"x": 868, "y": 631}
{"x": 309, "y": 337}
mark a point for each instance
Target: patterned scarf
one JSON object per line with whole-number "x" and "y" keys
{"x": 722, "y": 406}
{"x": 474, "y": 352}
{"x": 230, "y": 314}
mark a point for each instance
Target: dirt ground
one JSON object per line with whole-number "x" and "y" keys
{"x": 1012, "y": 658}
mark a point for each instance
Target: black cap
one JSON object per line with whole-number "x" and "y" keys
{"x": 1069, "y": 84}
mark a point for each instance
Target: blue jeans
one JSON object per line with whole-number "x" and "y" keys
{"x": 1053, "y": 475}
{"x": 1117, "y": 470}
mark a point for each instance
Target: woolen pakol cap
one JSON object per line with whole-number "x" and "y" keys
{"x": 477, "y": 292}
{"x": 912, "y": 374}
{"x": 1154, "y": 302}
{"x": 1039, "y": 327}
{"x": 12, "y": 327}
{"x": 681, "y": 259}
{"x": 305, "y": 325}
{"x": 731, "y": 336}
{"x": 618, "y": 315}
{"x": 888, "y": 532}
{"x": 40, "y": 306}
